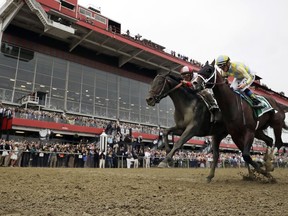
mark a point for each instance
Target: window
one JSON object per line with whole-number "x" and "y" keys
{"x": 10, "y": 50}
{"x": 8, "y": 72}
{"x": 85, "y": 12}
{"x": 26, "y": 55}
{"x": 24, "y": 75}
{"x": 44, "y": 64}
{"x": 43, "y": 80}
{"x": 13, "y": 52}
{"x": 67, "y": 4}
{"x": 59, "y": 68}
{"x": 75, "y": 72}
{"x": 100, "y": 19}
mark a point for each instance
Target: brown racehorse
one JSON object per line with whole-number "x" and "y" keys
{"x": 191, "y": 115}
{"x": 238, "y": 115}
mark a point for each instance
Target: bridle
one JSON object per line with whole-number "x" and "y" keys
{"x": 163, "y": 94}
{"x": 213, "y": 75}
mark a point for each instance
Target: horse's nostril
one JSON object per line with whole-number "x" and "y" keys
{"x": 149, "y": 99}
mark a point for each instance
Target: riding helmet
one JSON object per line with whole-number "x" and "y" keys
{"x": 222, "y": 60}
{"x": 186, "y": 69}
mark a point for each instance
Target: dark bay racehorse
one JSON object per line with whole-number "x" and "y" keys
{"x": 238, "y": 115}
{"x": 191, "y": 116}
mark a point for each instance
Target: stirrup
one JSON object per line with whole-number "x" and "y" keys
{"x": 213, "y": 108}
{"x": 213, "y": 113}
{"x": 259, "y": 105}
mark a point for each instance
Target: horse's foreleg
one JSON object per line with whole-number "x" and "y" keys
{"x": 165, "y": 139}
{"x": 250, "y": 173}
{"x": 166, "y": 133}
{"x": 175, "y": 131}
{"x": 215, "y": 146}
{"x": 186, "y": 135}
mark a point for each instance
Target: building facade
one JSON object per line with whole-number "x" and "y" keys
{"x": 59, "y": 56}
{"x": 67, "y": 85}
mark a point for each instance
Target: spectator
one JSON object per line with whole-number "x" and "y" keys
{"x": 102, "y": 159}
{"x": 53, "y": 158}
{"x": 136, "y": 159}
{"x": 147, "y": 156}
{"x": 129, "y": 158}
{"x": 96, "y": 158}
{"x": 6, "y": 154}
{"x": 109, "y": 158}
{"x": 138, "y": 36}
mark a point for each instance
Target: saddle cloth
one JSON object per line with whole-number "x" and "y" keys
{"x": 258, "y": 112}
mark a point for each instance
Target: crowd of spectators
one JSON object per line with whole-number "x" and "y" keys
{"x": 154, "y": 45}
{"x": 123, "y": 127}
{"x": 66, "y": 118}
{"x": 123, "y": 150}
{"x": 118, "y": 155}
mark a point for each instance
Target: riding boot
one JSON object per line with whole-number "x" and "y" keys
{"x": 213, "y": 107}
{"x": 214, "y": 114}
{"x": 255, "y": 102}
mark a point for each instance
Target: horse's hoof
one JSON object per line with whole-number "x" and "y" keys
{"x": 248, "y": 178}
{"x": 269, "y": 168}
{"x": 272, "y": 180}
{"x": 208, "y": 179}
{"x": 163, "y": 165}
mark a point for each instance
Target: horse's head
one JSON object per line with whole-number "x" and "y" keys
{"x": 206, "y": 77}
{"x": 161, "y": 86}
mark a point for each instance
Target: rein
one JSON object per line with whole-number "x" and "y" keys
{"x": 216, "y": 83}
{"x": 173, "y": 89}
{"x": 160, "y": 96}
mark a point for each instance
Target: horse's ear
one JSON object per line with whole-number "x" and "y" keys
{"x": 207, "y": 63}
{"x": 213, "y": 62}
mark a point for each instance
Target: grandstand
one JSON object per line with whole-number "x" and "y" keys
{"x": 71, "y": 70}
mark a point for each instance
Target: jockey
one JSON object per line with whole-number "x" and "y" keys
{"x": 242, "y": 77}
{"x": 187, "y": 74}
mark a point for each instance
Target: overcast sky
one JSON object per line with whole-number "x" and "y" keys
{"x": 254, "y": 32}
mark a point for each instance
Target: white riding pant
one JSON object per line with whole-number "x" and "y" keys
{"x": 237, "y": 82}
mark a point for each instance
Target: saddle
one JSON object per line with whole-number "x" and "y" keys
{"x": 211, "y": 104}
{"x": 258, "y": 112}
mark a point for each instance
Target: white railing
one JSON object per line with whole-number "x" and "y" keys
{"x": 30, "y": 100}
{"x": 47, "y": 22}
{"x": 8, "y": 5}
{"x": 37, "y": 8}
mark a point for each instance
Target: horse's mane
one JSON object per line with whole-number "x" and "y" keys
{"x": 175, "y": 77}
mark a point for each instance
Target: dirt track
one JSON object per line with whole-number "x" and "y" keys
{"x": 35, "y": 191}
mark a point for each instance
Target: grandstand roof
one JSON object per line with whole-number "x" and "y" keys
{"x": 75, "y": 32}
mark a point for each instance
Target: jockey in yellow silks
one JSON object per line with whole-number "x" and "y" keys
{"x": 243, "y": 78}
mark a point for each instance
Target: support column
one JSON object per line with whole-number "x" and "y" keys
{"x": 103, "y": 142}
{"x": 1, "y": 30}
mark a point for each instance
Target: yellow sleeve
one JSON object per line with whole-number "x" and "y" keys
{"x": 245, "y": 74}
